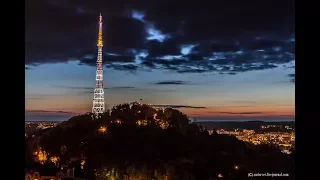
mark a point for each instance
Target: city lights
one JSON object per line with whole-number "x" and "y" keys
{"x": 102, "y": 129}
{"x": 82, "y": 163}
{"x": 284, "y": 140}
{"x": 54, "y": 159}
{"x": 41, "y": 156}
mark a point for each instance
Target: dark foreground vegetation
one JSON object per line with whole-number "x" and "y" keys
{"x": 136, "y": 141}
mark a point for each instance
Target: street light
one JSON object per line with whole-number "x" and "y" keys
{"x": 102, "y": 129}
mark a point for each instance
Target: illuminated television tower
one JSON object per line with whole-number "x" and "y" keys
{"x": 98, "y": 97}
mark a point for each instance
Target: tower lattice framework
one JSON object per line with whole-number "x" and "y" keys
{"x": 98, "y": 97}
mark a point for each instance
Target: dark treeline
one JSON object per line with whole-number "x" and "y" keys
{"x": 136, "y": 141}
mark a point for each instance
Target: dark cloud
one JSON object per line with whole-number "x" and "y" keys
{"x": 108, "y": 59}
{"x": 239, "y": 113}
{"x": 264, "y": 44}
{"x": 230, "y": 19}
{"x": 44, "y": 111}
{"x": 33, "y": 98}
{"x": 148, "y": 64}
{"x": 125, "y": 67}
{"x": 112, "y": 61}
{"x": 207, "y": 48}
{"x": 59, "y": 33}
{"x": 217, "y": 62}
{"x": 122, "y": 87}
{"x": 191, "y": 71}
{"x": 169, "y": 63}
{"x": 185, "y": 37}
{"x": 90, "y": 88}
{"x": 159, "y": 49}
{"x": 171, "y": 82}
{"x": 131, "y": 35}
{"x": 74, "y": 87}
{"x": 195, "y": 57}
{"x": 178, "y": 106}
{"x": 292, "y": 77}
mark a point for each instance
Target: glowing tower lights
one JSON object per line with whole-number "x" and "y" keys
{"x": 98, "y": 97}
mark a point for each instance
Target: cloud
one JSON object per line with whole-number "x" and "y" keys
{"x": 240, "y": 113}
{"x": 171, "y": 83}
{"x": 207, "y": 48}
{"x": 33, "y": 98}
{"x": 72, "y": 36}
{"x": 178, "y": 106}
{"x": 44, "y": 111}
{"x": 73, "y": 87}
{"x": 126, "y": 67}
{"x": 27, "y": 68}
{"x": 265, "y": 44}
{"x": 91, "y": 88}
{"x": 228, "y": 38}
{"x": 44, "y": 115}
{"x": 108, "y": 59}
{"x": 186, "y": 49}
{"x": 138, "y": 15}
{"x": 223, "y": 20}
{"x": 292, "y": 77}
{"x": 122, "y": 87}
{"x": 159, "y": 49}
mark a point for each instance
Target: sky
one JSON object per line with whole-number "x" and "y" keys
{"x": 213, "y": 60}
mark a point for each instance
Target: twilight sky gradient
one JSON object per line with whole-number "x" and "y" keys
{"x": 221, "y": 60}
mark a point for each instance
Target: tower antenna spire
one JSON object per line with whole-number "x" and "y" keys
{"x": 98, "y": 97}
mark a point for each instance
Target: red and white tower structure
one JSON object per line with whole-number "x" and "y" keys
{"x": 98, "y": 97}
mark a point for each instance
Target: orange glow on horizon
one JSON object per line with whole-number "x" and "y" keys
{"x": 218, "y": 111}
{"x": 280, "y": 111}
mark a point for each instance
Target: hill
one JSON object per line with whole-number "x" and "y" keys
{"x": 136, "y": 141}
